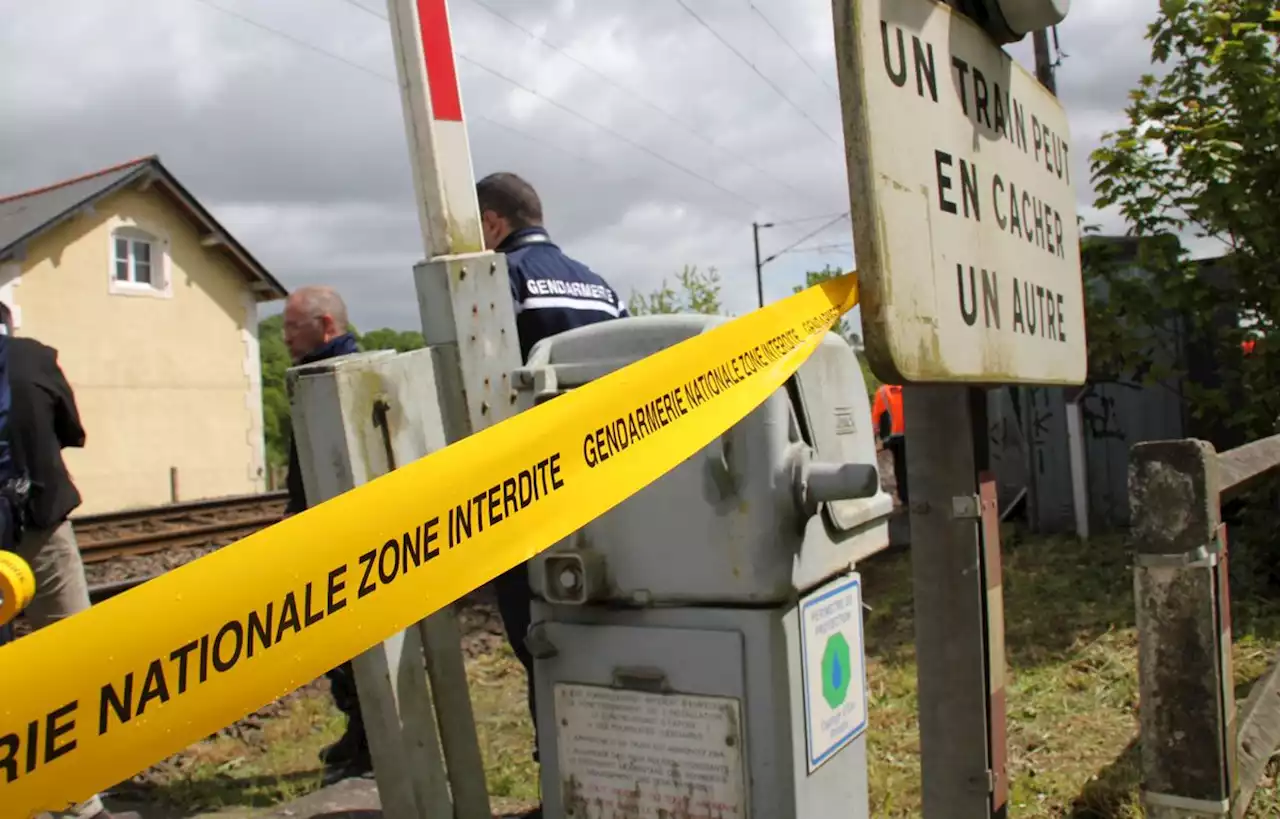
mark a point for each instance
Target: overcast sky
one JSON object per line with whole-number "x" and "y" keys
{"x": 303, "y": 156}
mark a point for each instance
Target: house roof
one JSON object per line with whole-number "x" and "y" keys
{"x": 24, "y": 216}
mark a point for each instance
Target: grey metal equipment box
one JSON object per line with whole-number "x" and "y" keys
{"x": 698, "y": 649}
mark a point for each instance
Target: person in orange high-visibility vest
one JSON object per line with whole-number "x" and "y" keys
{"x": 891, "y": 425}
{"x": 886, "y": 412}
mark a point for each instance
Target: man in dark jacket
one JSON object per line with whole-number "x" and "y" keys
{"x": 315, "y": 328}
{"x": 552, "y": 293}
{"x": 8, "y": 472}
{"x": 43, "y": 419}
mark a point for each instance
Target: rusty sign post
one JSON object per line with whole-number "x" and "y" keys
{"x": 964, "y": 218}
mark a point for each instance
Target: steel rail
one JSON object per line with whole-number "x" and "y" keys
{"x": 172, "y": 509}
{"x": 175, "y": 537}
{"x": 196, "y": 523}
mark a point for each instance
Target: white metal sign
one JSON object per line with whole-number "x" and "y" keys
{"x": 631, "y": 753}
{"x": 963, "y": 202}
{"x": 833, "y": 665}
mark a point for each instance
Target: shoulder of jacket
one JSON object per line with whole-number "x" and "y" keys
{"x": 516, "y": 261}
{"x": 587, "y": 272}
{"x": 33, "y": 347}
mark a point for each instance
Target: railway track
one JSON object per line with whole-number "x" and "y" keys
{"x": 196, "y": 523}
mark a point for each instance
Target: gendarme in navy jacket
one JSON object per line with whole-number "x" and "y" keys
{"x": 553, "y": 293}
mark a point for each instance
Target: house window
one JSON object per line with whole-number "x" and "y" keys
{"x": 133, "y": 259}
{"x": 139, "y": 262}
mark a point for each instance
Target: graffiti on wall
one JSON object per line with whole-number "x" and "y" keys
{"x": 1098, "y": 412}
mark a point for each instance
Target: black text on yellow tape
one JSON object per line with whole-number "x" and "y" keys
{"x": 89, "y": 701}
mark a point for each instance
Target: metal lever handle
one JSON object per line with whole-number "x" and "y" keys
{"x": 818, "y": 482}
{"x": 826, "y": 482}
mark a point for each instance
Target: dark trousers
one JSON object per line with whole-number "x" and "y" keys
{"x": 514, "y": 600}
{"x": 342, "y": 682}
{"x": 898, "y": 446}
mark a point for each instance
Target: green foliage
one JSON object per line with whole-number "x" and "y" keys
{"x": 402, "y": 341}
{"x": 276, "y": 423}
{"x": 275, "y": 400}
{"x": 1200, "y": 154}
{"x": 699, "y": 293}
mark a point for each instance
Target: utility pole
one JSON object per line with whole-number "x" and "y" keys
{"x": 1026, "y": 395}
{"x": 1046, "y": 74}
{"x": 755, "y": 237}
{"x": 1044, "y": 66}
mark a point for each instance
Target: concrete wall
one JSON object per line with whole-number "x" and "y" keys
{"x": 165, "y": 376}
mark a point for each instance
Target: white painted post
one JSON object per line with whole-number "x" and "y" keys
{"x": 438, "y": 148}
{"x": 468, "y": 320}
{"x": 355, "y": 418}
{"x": 1079, "y": 477}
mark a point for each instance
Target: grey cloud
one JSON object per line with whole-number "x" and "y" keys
{"x": 304, "y": 158}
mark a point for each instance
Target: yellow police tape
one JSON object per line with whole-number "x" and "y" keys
{"x": 17, "y": 586}
{"x": 89, "y": 701}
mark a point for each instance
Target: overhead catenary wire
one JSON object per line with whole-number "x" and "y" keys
{"x": 758, "y": 72}
{"x": 846, "y": 247}
{"x": 639, "y": 97}
{"x": 638, "y": 146}
{"x": 793, "y": 49}
{"x": 365, "y": 8}
{"x": 645, "y": 100}
{"x": 630, "y": 91}
{"x": 549, "y": 145}
{"x": 379, "y": 75}
{"x": 804, "y": 219}
{"x": 300, "y": 43}
{"x": 798, "y": 221}
{"x": 568, "y": 110}
{"x": 805, "y": 238}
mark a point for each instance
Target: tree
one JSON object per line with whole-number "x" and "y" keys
{"x": 276, "y": 426}
{"x": 699, "y": 293}
{"x": 1200, "y": 155}
{"x": 402, "y": 341}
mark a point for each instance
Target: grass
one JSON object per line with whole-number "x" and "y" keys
{"x": 504, "y": 728}
{"x": 270, "y": 760}
{"x": 272, "y": 757}
{"x": 1071, "y": 682}
{"x": 1072, "y": 697}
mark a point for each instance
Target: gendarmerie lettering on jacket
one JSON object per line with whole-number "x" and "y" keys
{"x": 552, "y": 292}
